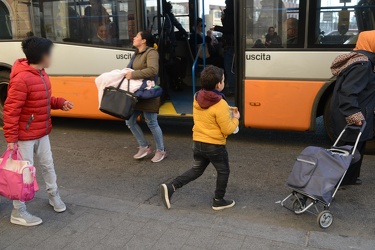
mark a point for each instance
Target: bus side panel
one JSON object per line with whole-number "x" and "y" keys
{"x": 82, "y": 92}
{"x": 278, "y": 104}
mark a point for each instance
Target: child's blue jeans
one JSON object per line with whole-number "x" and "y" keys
{"x": 204, "y": 154}
{"x": 153, "y": 125}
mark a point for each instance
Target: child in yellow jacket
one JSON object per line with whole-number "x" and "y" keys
{"x": 214, "y": 121}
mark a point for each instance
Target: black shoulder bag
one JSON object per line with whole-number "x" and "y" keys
{"x": 117, "y": 102}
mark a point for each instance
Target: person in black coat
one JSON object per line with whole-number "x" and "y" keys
{"x": 353, "y": 99}
{"x": 227, "y": 29}
{"x": 175, "y": 70}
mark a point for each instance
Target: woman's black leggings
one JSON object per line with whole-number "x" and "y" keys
{"x": 355, "y": 168}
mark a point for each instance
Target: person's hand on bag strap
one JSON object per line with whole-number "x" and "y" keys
{"x": 129, "y": 76}
{"x": 12, "y": 145}
{"x": 67, "y": 106}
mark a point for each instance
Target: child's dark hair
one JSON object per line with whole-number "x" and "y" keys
{"x": 211, "y": 76}
{"x": 148, "y": 37}
{"x": 35, "y": 48}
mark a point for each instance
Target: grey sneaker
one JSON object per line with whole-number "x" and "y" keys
{"x": 56, "y": 202}
{"x": 23, "y": 218}
{"x": 143, "y": 152}
{"x": 159, "y": 156}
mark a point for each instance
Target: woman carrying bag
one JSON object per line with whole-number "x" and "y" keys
{"x": 145, "y": 64}
{"x": 353, "y": 99}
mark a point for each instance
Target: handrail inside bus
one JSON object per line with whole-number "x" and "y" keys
{"x": 203, "y": 47}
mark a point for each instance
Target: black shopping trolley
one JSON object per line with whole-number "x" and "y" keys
{"x": 317, "y": 175}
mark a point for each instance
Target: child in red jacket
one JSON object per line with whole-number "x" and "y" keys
{"x": 27, "y": 120}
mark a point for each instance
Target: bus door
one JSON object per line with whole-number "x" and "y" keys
{"x": 179, "y": 50}
{"x": 174, "y": 52}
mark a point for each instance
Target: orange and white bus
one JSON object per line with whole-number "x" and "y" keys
{"x": 285, "y": 85}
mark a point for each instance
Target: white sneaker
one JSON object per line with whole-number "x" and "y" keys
{"x": 23, "y": 218}
{"x": 56, "y": 202}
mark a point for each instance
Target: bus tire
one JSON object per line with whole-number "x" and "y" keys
{"x": 327, "y": 118}
{"x": 4, "y": 81}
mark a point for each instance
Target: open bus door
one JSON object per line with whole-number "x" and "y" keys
{"x": 178, "y": 97}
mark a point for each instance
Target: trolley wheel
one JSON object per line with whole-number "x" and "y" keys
{"x": 298, "y": 205}
{"x": 325, "y": 219}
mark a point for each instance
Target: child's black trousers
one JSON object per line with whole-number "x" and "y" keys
{"x": 204, "y": 154}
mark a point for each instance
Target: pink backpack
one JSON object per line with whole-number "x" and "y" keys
{"x": 17, "y": 177}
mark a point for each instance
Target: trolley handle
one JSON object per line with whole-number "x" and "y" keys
{"x": 353, "y": 127}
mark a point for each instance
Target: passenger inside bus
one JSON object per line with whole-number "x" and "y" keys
{"x": 273, "y": 40}
{"x": 175, "y": 70}
{"x": 292, "y": 31}
{"x": 196, "y": 36}
{"x": 259, "y": 44}
{"x": 95, "y": 14}
{"x": 102, "y": 36}
{"x": 227, "y": 28}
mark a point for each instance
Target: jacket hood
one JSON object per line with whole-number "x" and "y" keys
{"x": 344, "y": 61}
{"x": 21, "y": 65}
{"x": 366, "y": 41}
{"x": 207, "y": 99}
{"x": 363, "y": 52}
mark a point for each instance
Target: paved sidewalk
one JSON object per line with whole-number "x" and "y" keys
{"x": 96, "y": 222}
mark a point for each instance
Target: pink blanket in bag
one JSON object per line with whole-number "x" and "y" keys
{"x": 113, "y": 78}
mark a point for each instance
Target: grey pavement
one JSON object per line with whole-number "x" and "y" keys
{"x": 113, "y": 201}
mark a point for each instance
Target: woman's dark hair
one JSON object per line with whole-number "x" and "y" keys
{"x": 35, "y": 48}
{"x": 211, "y": 76}
{"x": 148, "y": 37}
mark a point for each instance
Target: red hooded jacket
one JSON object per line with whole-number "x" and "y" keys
{"x": 28, "y": 105}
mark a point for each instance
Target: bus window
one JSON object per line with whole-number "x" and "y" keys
{"x": 338, "y": 23}
{"x": 274, "y": 24}
{"x": 181, "y": 12}
{"x": 97, "y": 22}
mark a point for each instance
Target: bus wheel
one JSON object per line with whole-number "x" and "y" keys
{"x": 4, "y": 81}
{"x": 327, "y": 118}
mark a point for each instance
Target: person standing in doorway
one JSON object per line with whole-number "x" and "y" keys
{"x": 145, "y": 63}
{"x": 228, "y": 36}
{"x": 175, "y": 70}
{"x": 353, "y": 99}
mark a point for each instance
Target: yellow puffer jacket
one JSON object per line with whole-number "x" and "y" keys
{"x": 214, "y": 124}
